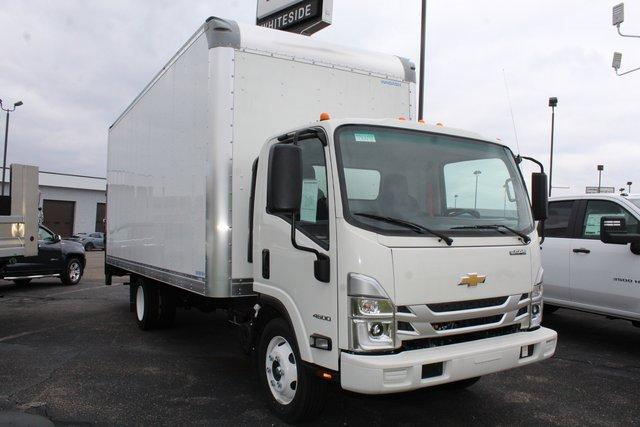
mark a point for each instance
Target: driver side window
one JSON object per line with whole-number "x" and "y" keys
{"x": 45, "y": 235}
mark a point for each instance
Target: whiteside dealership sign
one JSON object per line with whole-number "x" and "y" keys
{"x": 296, "y": 16}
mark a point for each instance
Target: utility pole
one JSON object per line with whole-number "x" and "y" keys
{"x": 6, "y": 138}
{"x": 423, "y": 35}
{"x": 553, "y": 102}
{"x": 475, "y": 200}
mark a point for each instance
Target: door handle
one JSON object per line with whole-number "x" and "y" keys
{"x": 582, "y": 251}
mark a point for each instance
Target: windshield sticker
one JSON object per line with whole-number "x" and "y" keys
{"x": 365, "y": 137}
{"x": 309, "y": 202}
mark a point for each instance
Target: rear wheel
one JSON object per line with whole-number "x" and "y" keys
{"x": 155, "y": 305}
{"x": 21, "y": 282}
{"x": 88, "y": 246}
{"x": 72, "y": 272}
{"x": 294, "y": 393}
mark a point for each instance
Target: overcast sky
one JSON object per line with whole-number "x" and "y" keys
{"x": 77, "y": 64}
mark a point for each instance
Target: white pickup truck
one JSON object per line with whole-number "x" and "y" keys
{"x": 590, "y": 255}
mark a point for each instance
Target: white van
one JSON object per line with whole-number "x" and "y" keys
{"x": 583, "y": 272}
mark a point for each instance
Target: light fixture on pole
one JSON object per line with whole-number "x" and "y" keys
{"x": 617, "y": 61}
{"x": 617, "y": 18}
{"x": 475, "y": 200}
{"x": 553, "y": 102}
{"x": 629, "y": 185}
{"x": 600, "y": 169}
{"x": 6, "y": 137}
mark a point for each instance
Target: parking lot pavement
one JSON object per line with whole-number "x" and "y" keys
{"x": 75, "y": 355}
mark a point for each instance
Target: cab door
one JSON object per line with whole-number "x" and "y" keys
{"x": 287, "y": 274}
{"x": 604, "y": 277}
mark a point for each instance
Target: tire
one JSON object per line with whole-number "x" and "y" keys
{"x": 154, "y": 306}
{"x": 88, "y": 247}
{"x": 72, "y": 273}
{"x": 460, "y": 385}
{"x": 22, "y": 282}
{"x": 293, "y": 392}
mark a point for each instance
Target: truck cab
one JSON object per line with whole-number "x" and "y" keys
{"x": 585, "y": 271}
{"x": 401, "y": 255}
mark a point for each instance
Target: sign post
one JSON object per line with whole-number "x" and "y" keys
{"x": 295, "y": 16}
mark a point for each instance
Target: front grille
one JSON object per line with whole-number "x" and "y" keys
{"x": 456, "y": 339}
{"x": 466, "y": 323}
{"x": 467, "y": 305}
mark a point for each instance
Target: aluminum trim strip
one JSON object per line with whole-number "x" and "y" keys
{"x": 181, "y": 280}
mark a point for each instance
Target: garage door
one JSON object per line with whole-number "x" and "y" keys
{"x": 58, "y": 216}
{"x": 101, "y": 210}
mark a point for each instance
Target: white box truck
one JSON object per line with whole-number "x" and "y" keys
{"x": 362, "y": 248}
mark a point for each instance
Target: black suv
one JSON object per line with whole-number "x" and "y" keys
{"x": 56, "y": 258}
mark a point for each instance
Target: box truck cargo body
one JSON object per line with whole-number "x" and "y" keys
{"x": 180, "y": 156}
{"x": 347, "y": 246}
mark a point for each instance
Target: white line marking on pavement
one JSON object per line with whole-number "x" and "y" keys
{"x": 77, "y": 290}
{"x": 21, "y": 334}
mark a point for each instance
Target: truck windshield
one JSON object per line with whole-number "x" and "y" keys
{"x": 452, "y": 185}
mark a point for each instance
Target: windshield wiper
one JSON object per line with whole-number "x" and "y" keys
{"x": 526, "y": 239}
{"x": 411, "y": 225}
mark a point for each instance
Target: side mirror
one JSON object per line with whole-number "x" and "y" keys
{"x": 57, "y": 238}
{"x": 284, "y": 185}
{"x": 613, "y": 229}
{"x": 539, "y": 196}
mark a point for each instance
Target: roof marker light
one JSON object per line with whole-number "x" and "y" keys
{"x": 324, "y": 116}
{"x": 439, "y": 124}
{"x": 402, "y": 118}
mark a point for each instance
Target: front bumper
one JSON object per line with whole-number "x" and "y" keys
{"x": 393, "y": 373}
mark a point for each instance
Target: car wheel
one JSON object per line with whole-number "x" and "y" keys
{"x": 88, "y": 246}
{"x": 21, "y": 281}
{"x": 72, "y": 272}
{"x": 294, "y": 393}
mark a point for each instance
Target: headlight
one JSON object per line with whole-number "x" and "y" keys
{"x": 372, "y": 315}
{"x": 536, "y": 305}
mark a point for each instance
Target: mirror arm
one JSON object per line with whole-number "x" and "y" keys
{"x": 293, "y": 239}
{"x": 321, "y": 269}
{"x": 519, "y": 159}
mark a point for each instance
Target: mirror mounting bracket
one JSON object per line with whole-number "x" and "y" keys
{"x": 321, "y": 269}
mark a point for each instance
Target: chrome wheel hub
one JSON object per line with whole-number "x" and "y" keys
{"x": 74, "y": 271}
{"x": 281, "y": 370}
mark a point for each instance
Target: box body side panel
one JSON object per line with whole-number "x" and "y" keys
{"x": 274, "y": 94}
{"x": 157, "y": 167}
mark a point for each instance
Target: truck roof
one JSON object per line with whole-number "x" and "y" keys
{"x": 602, "y": 196}
{"x": 332, "y": 124}
{"x": 281, "y": 44}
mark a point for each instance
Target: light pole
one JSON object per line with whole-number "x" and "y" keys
{"x": 475, "y": 200}
{"x": 6, "y": 137}
{"x": 455, "y": 201}
{"x": 629, "y": 185}
{"x": 600, "y": 169}
{"x": 553, "y": 102}
{"x": 423, "y": 35}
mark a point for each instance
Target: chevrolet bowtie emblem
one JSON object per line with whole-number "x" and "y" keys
{"x": 472, "y": 279}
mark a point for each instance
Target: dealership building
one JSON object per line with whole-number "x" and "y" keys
{"x": 71, "y": 203}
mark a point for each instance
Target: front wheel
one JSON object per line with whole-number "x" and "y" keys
{"x": 88, "y": 247}
{"x": 294, "y": 393}
{"x": 72, "y": 272}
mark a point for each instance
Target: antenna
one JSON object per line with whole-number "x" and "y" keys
{"x": 513, "y": 120}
